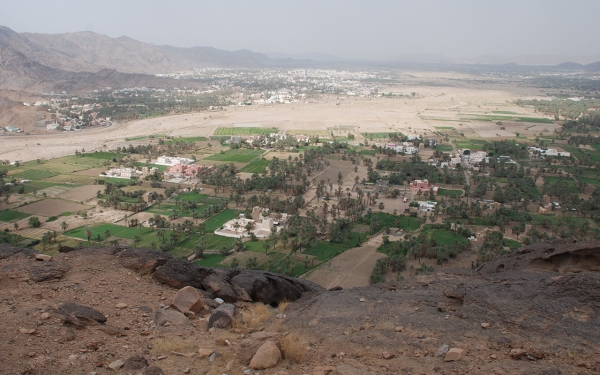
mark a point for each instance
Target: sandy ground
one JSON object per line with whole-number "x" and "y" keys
{"x": 441, "y": 96}
{"x": 350, "y": 269}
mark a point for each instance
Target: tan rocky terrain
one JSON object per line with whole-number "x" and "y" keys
{"x": 115, "y": 310}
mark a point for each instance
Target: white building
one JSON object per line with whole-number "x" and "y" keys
{"x": 172, "y": 160}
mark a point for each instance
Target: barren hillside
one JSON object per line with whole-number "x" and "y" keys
{"x": 108, "y": 310}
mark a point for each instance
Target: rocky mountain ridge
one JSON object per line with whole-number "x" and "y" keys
{"x": 118, "y": 310}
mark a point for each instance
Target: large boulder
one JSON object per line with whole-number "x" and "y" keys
{"x": 78, "y": 315}
{"x": 180, "y": 273}
{"x": 222, "y": 316}
{"x": 563, "y": 255}
{"x": 218, "y": 283}
{"x": 173, "y": 317}
{"x": 142, "y": 260}
{"x": 267, "y": 356}
{"x": 270, "y": 288}
{"x": 136, "y": 362}
{"x": 187, "y": 299}
{"x": 48, "y": 271}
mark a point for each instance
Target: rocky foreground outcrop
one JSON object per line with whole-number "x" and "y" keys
{"x": 534, "y": 312}
{"x": 114, "y": 310}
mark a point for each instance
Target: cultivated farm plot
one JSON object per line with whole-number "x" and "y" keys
{"x": 255, "y": 166}
{"x": 81, "y": 193}
{"x": 34, "y": 174}
{"x": 74, "y": 179}
{"x": 239, "y": 155}
{"x": 54, "y": 191}
{"x": 52, "y": 207}
{"x": 35, "y": 233}
{"x": 219, "y": 219}
{"x": 11, "y": 216}
{"x": 245, "y": 131}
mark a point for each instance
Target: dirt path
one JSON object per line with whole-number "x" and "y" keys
{"x": 351, "y": 269}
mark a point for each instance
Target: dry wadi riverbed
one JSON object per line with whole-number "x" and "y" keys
{"x": 358, "y": 115}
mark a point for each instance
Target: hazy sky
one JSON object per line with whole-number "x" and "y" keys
{"x": 369, "y": 29}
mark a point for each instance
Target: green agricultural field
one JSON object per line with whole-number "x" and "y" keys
{"x": 185, "y": 139}
{"x": 324, "y": 250}
{"x": 10, "y": 216}
{"x": 219, "y": 219}
{"x": 33, "y": 174}
{"x": 257, "y": 246}
{"x": 473, "y": 144}
{"x": 211, "y": 260}
{"x": 245, "y": 131}
{"x": 192, "y": 196}
{"x": 507, "y": 118}
{"x": 255, "y": 166}
{"x": 239, "y": 155}
{"x": 393, "y": 221}
{"x": 512, "y": 244}
{"x": 443, "y": 236}
{"x": 505, "y": 112}
{"x": 379, "y": 135}
{"x": 444, "y": 127}
{"x": 572, "y": 184}
{"x": 450, "y": 193}
{"x": 368, "y": 152}
{"x": 95, "y": 229}
{"x": 444, "y": 148}
{"x": 166, "y": 209}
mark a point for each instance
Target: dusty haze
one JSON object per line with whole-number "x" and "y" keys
{"x": 531, "y": 31}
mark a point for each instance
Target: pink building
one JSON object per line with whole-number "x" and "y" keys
{"x": 424, "y": 185}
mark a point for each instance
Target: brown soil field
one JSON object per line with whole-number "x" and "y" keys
{"x": 52, "y": 207}
{"x": 81, "y": 193}
{"x": 350, "y": 269}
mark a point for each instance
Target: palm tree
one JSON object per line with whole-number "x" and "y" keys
{"x": 88, "y": 234}
{"x": 136, "y": 241}
{"x": 64, "y": 226}
{"x": 106, "y": 235}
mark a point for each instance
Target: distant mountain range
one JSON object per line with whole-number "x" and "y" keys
{"x": 84, "y": 60}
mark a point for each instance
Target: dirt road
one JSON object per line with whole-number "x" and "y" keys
{"x": 350, "y": 269}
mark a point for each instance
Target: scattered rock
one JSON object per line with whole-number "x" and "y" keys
{"x": 121, "y": 305}
{"x": 48, "y": 271}
{"x": 222, "y": 316}
{"x": 136, "y": 362}
{"x": 362, "y": 300}
{"x": 162, "y": 317}
{"x": 116, "y": 365}
{"x": 485, "y": 325}
{"x": 442, "y": 350}
{"x": 27, "y": 331}
{"x": 280, "y": 316}
{"x": 45, "y": 316}
{"x": 153, "y": 370}
{"x": 454, "y": 354}
{"x": 111, "y": 330}
{"x": 203, "y": 353}
{"x": 219, "y": 301}
{"x": 78, "y": 315}
{"x": 187, "y": 299}
{"x": 387, "y": 355}
{"x": 399, "y": 329}
{"x": 516, "y": 353}
{"x": 346, "y": 369}
{"x": 267, "y": 356}
{"x": 43, "y": 257}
